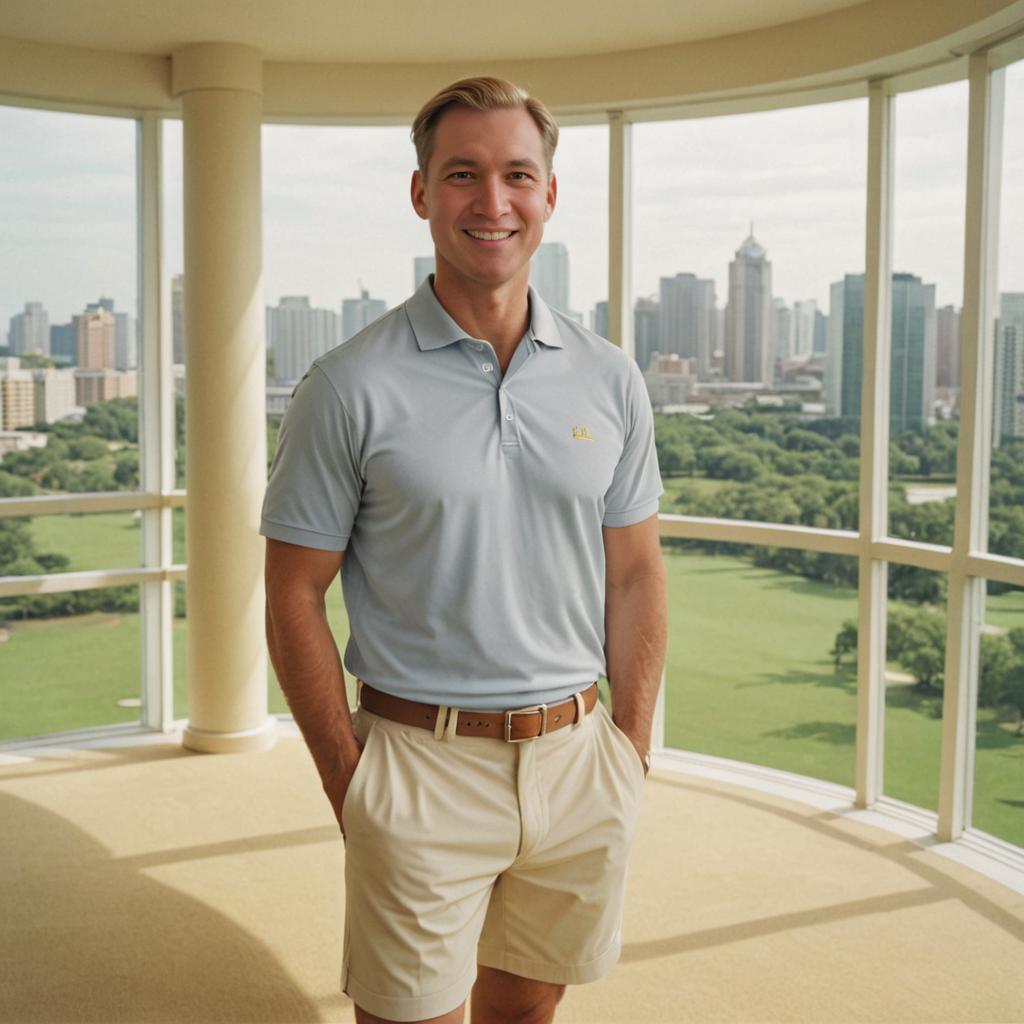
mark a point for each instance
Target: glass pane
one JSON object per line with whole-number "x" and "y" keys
{"x": 1006, "y": 520}
{"x": 570, "y": 269}
{"x": 929, "y": 195}
{"x": 69, "y": 661}
{"x": 916, "y": 652}
{"x": 340, "y": 237}
{"x": 747, "y": 227}
{"x": 998, "y": 806}
{"x": 100, "y": 540}
{"x": 68, "y": 278}
{"x": 754, "y": 672}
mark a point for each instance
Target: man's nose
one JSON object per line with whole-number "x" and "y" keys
{"x": 491, "y": 198}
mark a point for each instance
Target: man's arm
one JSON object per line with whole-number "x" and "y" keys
{"x": 306, "y": 660}
{"x": 636, "y": 625}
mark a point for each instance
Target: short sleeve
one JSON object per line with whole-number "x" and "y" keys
{"x": 315, "y": 483}
{"x": 636, "y": 483}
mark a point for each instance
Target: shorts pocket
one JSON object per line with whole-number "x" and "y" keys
{"x": 627, "y": 743}
{"x": 362, "y": 766}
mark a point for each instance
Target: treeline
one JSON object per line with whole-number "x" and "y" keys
{"x": 915, "y": 640}
{"x": 780, "y": 469}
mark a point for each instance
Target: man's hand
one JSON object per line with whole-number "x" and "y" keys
{"x": 636, "y": 627}
{"x": 307, "y": 663}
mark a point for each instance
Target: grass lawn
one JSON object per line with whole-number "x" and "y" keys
{"x": 749, "y": 677}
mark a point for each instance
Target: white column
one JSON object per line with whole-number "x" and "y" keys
{"x": 966, "y": 597}
{"x": 221, "y": 89}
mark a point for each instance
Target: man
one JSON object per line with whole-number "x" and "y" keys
{"x": 482, "y": 472}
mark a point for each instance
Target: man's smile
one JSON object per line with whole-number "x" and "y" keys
{"x": 488, "y": 236}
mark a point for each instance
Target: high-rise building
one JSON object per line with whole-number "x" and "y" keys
{"x": 749, "y": 325}
{"x": 912, "y": 343}
{"x": 297, "y": 334}
{"x": 422, "y": 268}
{"x": 820, "y": 333}
{"x": 126, "y": 342}
{"x": 805, "y": 315}
{"x": 947, "y": 347}
{"x": 646, "y": 331}
{"x": 845, "y": 341}
{"x": 359, "y": 313}
{"x": 783, "y": 329}
{"x": 64, "y": 343}
{"x": 1008, "y": 390}
{"x": 17, "y": 398}
{"x": 95, "y": 335}
{"x": 549, "y": 274}
{"x": 599, "y": 319}
{"x": 30, "y": 331}
{"x": 687, "y": 319}
{"x": 54, "y": 394}
{"x": 95, "y": 386}
{"x": 912, "y": 368}
{"x": 178, "y": 316}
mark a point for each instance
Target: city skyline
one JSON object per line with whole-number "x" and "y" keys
{"x": 69, "y": 224}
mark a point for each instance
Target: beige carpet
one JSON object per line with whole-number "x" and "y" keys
{"x": 148, "y": 884}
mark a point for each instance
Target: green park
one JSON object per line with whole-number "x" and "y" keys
{"x": 762, "y": 641}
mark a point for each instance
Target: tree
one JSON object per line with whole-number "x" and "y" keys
{"x": 845, "y": 642}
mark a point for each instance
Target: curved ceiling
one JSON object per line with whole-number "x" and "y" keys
{"x": 395, "y": 30}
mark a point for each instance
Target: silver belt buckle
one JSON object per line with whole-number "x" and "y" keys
{"x": 542, "y": 708}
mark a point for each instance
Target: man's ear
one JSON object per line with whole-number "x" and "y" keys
{"x": 418, "y": 194}
{"x": 552, "y": 195}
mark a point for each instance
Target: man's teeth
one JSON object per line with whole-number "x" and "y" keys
{"x": 489, "y": 236}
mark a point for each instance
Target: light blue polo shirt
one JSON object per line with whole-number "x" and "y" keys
{"x": 469, "y": 504}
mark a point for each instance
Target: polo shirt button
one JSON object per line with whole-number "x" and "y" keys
{"x": 487, "y": 367}
{"x": 508, "y": 415}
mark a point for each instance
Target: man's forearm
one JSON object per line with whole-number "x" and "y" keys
{"x": 636, "y": 627}
{"x": 308, "y": 667}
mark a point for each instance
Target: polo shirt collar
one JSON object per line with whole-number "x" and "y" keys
{"x": 434, "y": 328}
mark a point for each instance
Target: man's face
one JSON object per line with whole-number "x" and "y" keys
{"x": 487, "y": 196}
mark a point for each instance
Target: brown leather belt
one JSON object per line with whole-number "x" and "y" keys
{"x": 512, "y": 726}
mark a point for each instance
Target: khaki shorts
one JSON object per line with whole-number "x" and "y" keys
{"x": 464, "y": 850}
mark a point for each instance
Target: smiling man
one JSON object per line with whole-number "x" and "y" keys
{"x": 481, "y": 470}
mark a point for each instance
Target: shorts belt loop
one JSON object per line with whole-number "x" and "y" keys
{"x": 581, "y": 710}
{"x": 442, "y": 721}
{"x": 359, "y": 692}
{"x": 453, "y": 723}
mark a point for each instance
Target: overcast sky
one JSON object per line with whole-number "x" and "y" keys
{"x": 336, "y": 207}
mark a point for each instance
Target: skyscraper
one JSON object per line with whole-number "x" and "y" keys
{"x": 359, "y": 313}
{"x": 947, "y": 347}
{"x": 646, "y": 330}
{"x": 297, "y": 334}
{"x": 95, "y": 336}
{"x": 549, "y": 274}
{"x": 912, "y": 370}
{"x": 599, "y": 323}
{"x": 749, "y": 324}
{"x": 30, "y": 331}
{"x": 687, "y": 319}
{"x": 912, "y": 366}
{"x": 1008, "y": 390}
{"x": 783, "y": 329}
{"x": 422, "y": 268}
{"x": 805, "y": 314}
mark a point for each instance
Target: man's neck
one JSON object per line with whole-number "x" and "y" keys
{"x": 500, "y": 316}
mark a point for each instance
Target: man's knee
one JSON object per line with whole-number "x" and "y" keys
{"x": 503, "y": 998}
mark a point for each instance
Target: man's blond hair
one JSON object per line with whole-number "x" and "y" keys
{"x": 481, "y": 93}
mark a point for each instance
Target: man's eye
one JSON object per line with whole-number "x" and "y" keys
{"x": 520, "y": 176}
{"x": 461, "y": 175}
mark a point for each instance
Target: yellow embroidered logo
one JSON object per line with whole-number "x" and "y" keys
{"x": 581, "y": 434}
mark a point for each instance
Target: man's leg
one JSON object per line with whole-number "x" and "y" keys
{"x": 452, "y": 1017}
{"x": 502, "y": 998}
